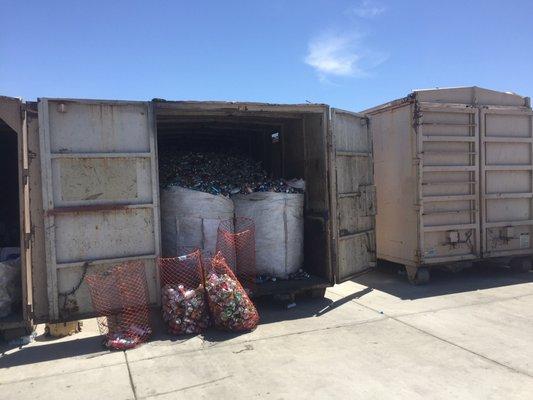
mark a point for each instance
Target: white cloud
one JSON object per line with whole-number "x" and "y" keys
{"x": 367, "y": 9}
{"x": 335, "y": 54}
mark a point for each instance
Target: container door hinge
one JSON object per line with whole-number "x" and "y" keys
{"x": 27, "y": 239}
{"x": 29, "y": 311}
{"x": 25, "y": 175}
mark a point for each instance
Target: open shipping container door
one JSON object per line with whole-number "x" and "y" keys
{"x": 354, "y": 194}
{"x": 100, "y": 194}
{"x": 507, "y": 181}
{"x": 13, "y": 114}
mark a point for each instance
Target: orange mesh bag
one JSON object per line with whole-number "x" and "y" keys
{"x": 236, "y": 243}
{"x": 230, "y": 306}
{"x": 120, "y": 299}
{"x": 183, "y": 298}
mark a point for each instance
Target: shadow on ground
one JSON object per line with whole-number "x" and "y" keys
{"x": 390, "y": 278}
{"x": 270, "y": 310}
{"x": 86, "y": 347}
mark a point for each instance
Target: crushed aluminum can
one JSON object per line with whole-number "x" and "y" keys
{"x": 220, "y": 174}
{"x": 128, "y": 338}
{"x": 184, "y": 310}
{"x": 231, "y": 307}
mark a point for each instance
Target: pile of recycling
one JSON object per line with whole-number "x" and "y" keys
{"x": 184, "y": 310}
{"x": 128, "y": 338}
{"x": 230, "y": 306}
{"x": 219, "y": 174}
{"x": 299, "y": 275}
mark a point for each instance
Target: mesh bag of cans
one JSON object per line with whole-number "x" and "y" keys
{"x": 230, "y": 305}
{"x": 183, "y": 298}
{"x": 120, "y": 298}
{"x": 236, "y": 243}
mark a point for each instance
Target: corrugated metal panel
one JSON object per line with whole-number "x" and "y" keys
{"x": 448, "y": 162}
{"x": 507, "y": 181}
{"x": 473, "y": 166}
{"x": 355, "y": 194}
{"x": 100, "y": 193}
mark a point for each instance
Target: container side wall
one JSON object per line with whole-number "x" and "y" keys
{"x": 396, "y": 183}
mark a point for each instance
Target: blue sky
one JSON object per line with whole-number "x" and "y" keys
{"x": 350, "y": 54}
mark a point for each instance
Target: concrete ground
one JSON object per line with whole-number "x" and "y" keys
{"x": 466, "y": 335}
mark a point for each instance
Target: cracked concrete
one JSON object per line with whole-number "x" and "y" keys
{"x": 465, "y": 335}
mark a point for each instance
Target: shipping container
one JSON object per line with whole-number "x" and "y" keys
{"x": 454, "y": 173}
{"x": 89, "y": 186}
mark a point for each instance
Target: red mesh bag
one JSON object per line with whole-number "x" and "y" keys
{"x": 183, "y": 298}
{"x": 230, "y": 306}
{"x": 236, "y": 243}
{"x": 120, "y": 298}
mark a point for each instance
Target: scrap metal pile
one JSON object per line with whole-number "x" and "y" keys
{"x": 127, "y": 338}
{"x": 189, "y": 305}
{"x": 230, "y": 305}
{"x": 219, "y": 174}
{"x": 184, "y": 310}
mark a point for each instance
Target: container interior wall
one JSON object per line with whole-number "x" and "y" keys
{"x": 9, "y": 199}
{"x": 284, "y": 146}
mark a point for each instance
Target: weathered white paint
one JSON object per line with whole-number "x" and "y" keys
{"x": 100, "y": 191}
{"x": 453, "y": 167}
{"x": 354, "y": 193}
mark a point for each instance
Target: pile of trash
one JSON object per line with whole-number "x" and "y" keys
{"x": 299, "y": 275}
{"x": 220, "y": 174}
{"x": 127, "y": 338}
{"x": 229, "y": 303}
{"x": 184, "y": 310}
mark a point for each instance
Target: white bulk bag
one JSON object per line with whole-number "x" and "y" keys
{"x": 279, "y": 230}
{"x": 191, "y": 218}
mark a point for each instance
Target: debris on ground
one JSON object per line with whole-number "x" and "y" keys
{"x": 295, "y": 276}
{"x": 220, "y": 174}
{"x": 23, "y": 340}
{"x": 128, "y": 338}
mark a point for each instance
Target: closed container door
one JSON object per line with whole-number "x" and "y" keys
{"x": 507, "y": 181}
{"x": 448, "y": 182}
{"x": 100, "y": 195}
{"x": 354, "y": 194}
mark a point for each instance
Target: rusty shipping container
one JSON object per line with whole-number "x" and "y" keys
{"x": 89, "y": 190}
{"x": 454, "y": 173}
